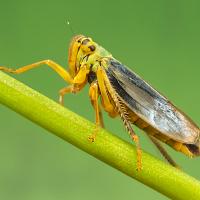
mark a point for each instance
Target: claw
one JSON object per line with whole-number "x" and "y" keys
{"x": 92, "y": 138}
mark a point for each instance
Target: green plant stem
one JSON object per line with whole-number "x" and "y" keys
{"x": 110, "y": 149}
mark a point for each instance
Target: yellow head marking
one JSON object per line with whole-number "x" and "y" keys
{"x": 80, "y": 47}
{"x": 87, "y": 45}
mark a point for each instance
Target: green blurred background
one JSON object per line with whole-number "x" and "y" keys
{"x": 158, "y": 39}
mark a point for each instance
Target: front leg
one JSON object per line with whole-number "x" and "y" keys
{"x": 56, "y": 67}
{"x": 78, "y": 83}
{"x": 74, "y": 88}
{"x": 63, "y": 91}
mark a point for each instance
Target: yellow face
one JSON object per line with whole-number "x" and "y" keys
{"x": 87, "y": 45}
{"x": 80, "y": 47}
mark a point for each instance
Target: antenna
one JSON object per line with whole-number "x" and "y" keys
{"x": 70, "y": 27}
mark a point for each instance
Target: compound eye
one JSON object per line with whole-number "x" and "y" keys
{"x": 87, "y": 45}
{"x": 92, "y": 48}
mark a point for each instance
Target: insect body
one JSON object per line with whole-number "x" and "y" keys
{"x": 123, "y": 93}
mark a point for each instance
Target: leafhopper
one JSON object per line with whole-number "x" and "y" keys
{"x": 121, "y": 92}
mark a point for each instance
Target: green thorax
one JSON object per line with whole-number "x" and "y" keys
{"x": 99, "y": 55}
{"x": 102, "y": 52}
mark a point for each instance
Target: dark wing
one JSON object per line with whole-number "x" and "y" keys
{"x": 150, "y": 105}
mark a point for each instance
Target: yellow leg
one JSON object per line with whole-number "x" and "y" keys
{"x": 74, "y": 88}
{"x": 138, "y": 150}
{"x": 80, "y": 78}
{"x": 122, "y": 112}
{"x": 107, "y": 102}
{"x": 94, "y": 94}
{"x": 56, "y": 67}
{"x": 63, "y": 91}
{"x": 79, "y": 82}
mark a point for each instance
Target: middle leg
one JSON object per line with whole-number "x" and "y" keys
{"x": 94, "y": 94}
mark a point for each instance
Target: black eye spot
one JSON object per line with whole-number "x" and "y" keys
{"x": 92, "y": 47}
{"x": 85, "y": 41}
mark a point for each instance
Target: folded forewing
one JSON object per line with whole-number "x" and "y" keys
{"x": 150, "y": 105}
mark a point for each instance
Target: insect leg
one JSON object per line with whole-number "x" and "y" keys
{"x": 81, "y": 77}
{"x": 56, "y": 67}
{"x": 101, "y": 76}
{"x": 66, "y": 90}
{"x": 106, "y": 101}
{"x": 73, "y": 88}
{"x": 63, "y": 91}
{"x": 163, "y": 151}
{"x": 79, "y": 82}
{"x": 94, "y": 94}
